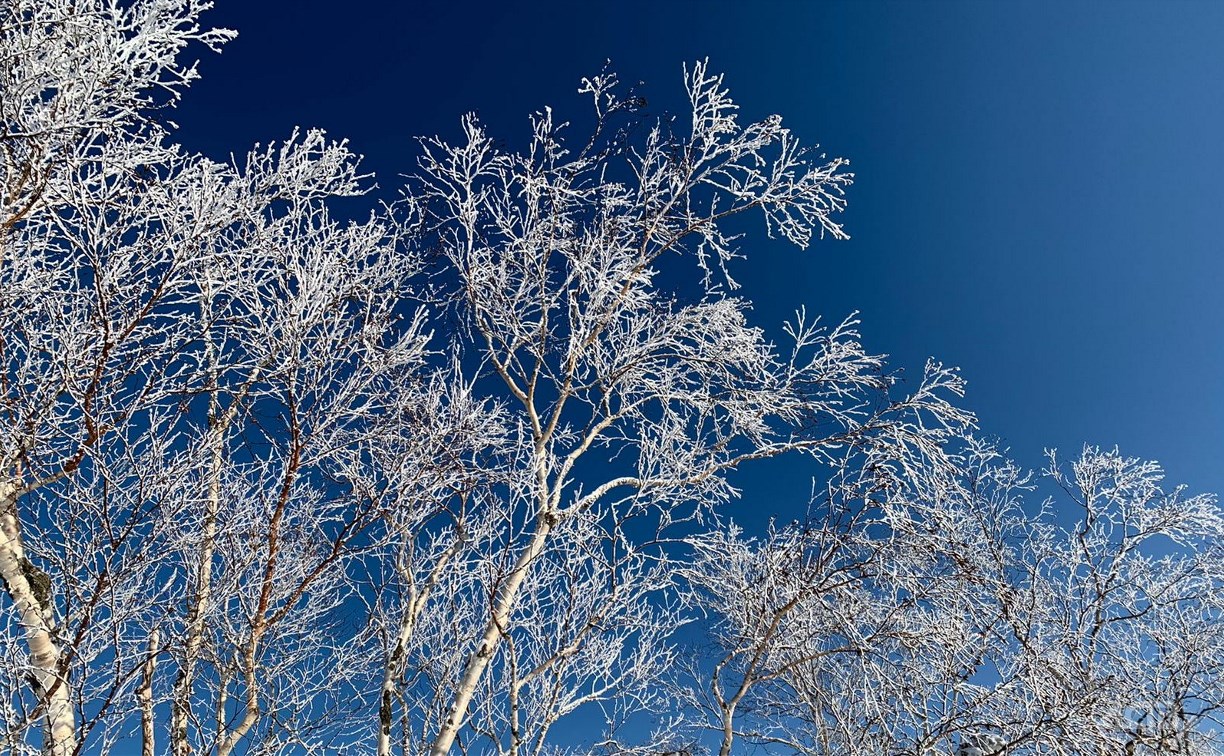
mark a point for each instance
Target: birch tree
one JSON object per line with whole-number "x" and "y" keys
{"x": 630, "y": 407}
{"x": 308, "y": 366}
{"x": 965, "y": 620}
{"x": 839, "y": 633}
{"x": 197, "y": 359}
{"x": 82, "y": 270}
{"x": 1114, "y": 622}
{"x": 251, "y": 503}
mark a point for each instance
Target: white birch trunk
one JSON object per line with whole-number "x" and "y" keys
{"x": 59, "y": 721}
{"x": 390, "y": 674}
{"x": 180, "y": 705}
{"x": 398, "y": 657}
{"x": 145, "y": 695}
{"x": 478, "y": 662}
{"x": 180, "y": 701}
{"x": 251, "y": 710}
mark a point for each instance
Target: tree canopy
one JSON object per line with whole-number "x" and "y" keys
{"x": 452, "y": 475}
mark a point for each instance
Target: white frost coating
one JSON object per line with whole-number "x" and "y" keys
{"x": 197, "y": 359}
{"x": 248, "y": 497}
{"x": 37, "y": 620}
{"x": 629, "y": 409}
{"x": 936, "y": 614}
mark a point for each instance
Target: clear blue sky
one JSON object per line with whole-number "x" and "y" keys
{"x": 1040, "y": 185}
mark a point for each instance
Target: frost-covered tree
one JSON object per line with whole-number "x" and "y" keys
{"x": 941, "y": 614}
{"x": 1113, "y": 621}
{"x": 198, "y": 360}
{"x": 590, "y": 281}
{"x": 855, "y": 629}
{"x": 251, "y": 503}
{"x": 85, "y": 262}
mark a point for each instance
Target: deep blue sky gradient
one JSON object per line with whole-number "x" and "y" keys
{"x": 1040, "y": 186}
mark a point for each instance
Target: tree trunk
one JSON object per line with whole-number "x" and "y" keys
{"x": 728, "y": 730}
{"x": 145, "y": 695}
{"x": 478, "y": 662}
{"x": 229, "y": 741}
{"x": 396, "y": 660}
{"x": 390, "y": 675}
{"x": 180, "y": 699}
{"x": 37, "y": 618}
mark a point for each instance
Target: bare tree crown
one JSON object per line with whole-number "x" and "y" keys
{"x": 452, "y": 475}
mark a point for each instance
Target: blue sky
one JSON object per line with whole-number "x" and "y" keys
{"x": 1040, "y": 186}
